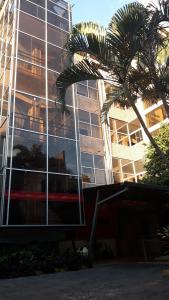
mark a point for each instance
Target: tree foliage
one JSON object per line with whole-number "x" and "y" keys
{"x": 156, "y": 167}
{"x": 126, "y": 54}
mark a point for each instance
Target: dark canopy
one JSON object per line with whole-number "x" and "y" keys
{"x": 128, "y": 191}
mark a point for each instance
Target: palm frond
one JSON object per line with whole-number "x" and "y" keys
{"x": 126, "y": 31}
{"x": 84, "y": 70}
{"x": 90, "y": 38}
{"x": 127, "y": 16}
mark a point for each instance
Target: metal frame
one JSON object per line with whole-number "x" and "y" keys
{"x": 94, "y": 221}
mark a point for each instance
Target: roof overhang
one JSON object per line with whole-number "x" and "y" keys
{"x": 136, "y": 192}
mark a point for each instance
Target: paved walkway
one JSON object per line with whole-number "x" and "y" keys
{"x": 113, "y": 282}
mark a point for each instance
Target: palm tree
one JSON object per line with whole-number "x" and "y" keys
{"x": 151, "y": 75}
{"x": 117, "y": 56}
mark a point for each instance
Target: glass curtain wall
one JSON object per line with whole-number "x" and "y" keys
{"x": 90, "y": 131}
{"x": 43, "y": 185}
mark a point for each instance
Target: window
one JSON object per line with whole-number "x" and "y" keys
{"x": 89, "y": 129}
{"x": 86, "y": 89}
{"x": 96, "y": 132}
{"x": 156, "y": 116}
{"x": 95, "y": 120}
{"x": 123, "y": 170}
{"x": 128, "y": 168}
{"x": 60, "y": 11}
{"x": 84, "y": 129}
{"x": 88, "y": 175}
{"x": 126, "y": 134}
{"x": 61, "y": 3}
{"x": 134, "y": 125}
{"x": 93, "y": 93}
{"x": 136, "y": 137}
{"x": 99, "y": 161}
{"x": 139, "y": 166}
{"x": 149, "y": 103}
{"x": 92, "y": 173}
{"x": 82, "y": 90}
{"x": 100, "y": 177}
{"x": 84, "y": 116}
{"x": 92, "y": 83}
{"x": 87, "y": 159}
{"x": 57, "y": 21}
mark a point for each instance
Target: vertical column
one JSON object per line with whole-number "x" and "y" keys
{"x": 47, "y": 136}
{"x": 6, "y": 144}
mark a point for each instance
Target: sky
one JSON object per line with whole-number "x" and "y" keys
{"x": 99, "y": 11}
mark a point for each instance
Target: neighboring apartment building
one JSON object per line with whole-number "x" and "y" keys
{"x": 129, "y": 141}
{"x": 49, "y": 157}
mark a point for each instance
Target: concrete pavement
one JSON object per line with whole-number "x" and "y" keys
{"x": 111, "y": 282}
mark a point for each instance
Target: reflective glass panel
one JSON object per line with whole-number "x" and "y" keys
{"x": 84, "y": 129}
{"x": 30, "y": 79}
{"x": 100, "y": 177}
{"x": 29, "y": 151}
{"x": 93, "y": 93}
{"x": 57, "y": 21}
{"x": 82, "y": 90}
{"x": 62, "y": 156}
{"x": 39, "y": 2}
{"x": 60, "y": 123}
{"x": 88, "y": 175}
{"x": 63, "y": 203}
{"x": 56, "y": 36}
{"x": 32, "y": 26}
{"x": 95, "y": 120}
{"x": 96, "y": 132}
{"x": 60, "y": 11}
{"x": 28, "y": 198}
{"x": 99, "y": 161}
{"x": 87, "y": 159}
{"x": 32, "y": 9}
{"x": 84, "y": 116}
{"x": 31, "y": 49}
{"x": 60, "y": 3}
{"x": 57, "y": 58}
{"x": 53, "y": 92}
{"x": 92, "y": 83}
{"x": 30, "y": 113}
{"x": 156, "y": 116}
{"x": 6, "y": 197}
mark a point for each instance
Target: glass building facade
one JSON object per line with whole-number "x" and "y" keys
{"x": 40, "y": 152}
{"x": 48, "y": 157}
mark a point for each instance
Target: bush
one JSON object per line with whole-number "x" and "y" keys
{"x": 21, "y": 261}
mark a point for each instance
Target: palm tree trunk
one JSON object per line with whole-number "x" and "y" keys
{"x": 152, "y": 141}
